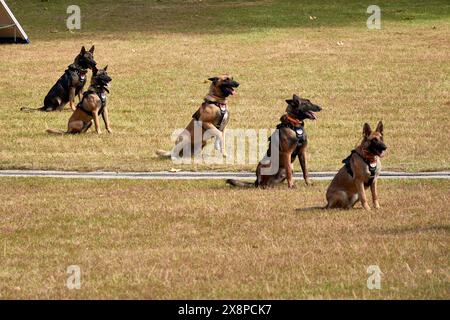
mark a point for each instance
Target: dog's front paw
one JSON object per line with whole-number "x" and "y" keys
{"x": 224, "y": 154}
{"x": 291, "y": 186}
{"x": 99, "y": 132}
{"x": 377, "y": 205}
{"x": 308, "y": 182}
{"x": 366, "y": 206}
{"x": 109, "y": 130}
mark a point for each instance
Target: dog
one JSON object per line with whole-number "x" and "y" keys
{"x": 91, "y": 106}
{"x": 70, "y": 84}
{"x": 213, "y": 116}
{"x": 292, "y": 141}
{"x": 360, "y": 171}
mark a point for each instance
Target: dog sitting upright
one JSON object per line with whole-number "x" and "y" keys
{"x": 91, "y": 106}
{"x": 292, "y": 142}
{"x": 70, "y": 84}
{"x": 213, "y": 116}
{"x": 360, "y": 171}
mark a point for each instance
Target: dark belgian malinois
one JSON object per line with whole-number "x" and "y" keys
{"x": 70, "y": 84}
{"x": 292, "y": 141}
{"x": 91, "y": 106}
{"x": 213, "y": 115}
{"x": 360, "y": 171}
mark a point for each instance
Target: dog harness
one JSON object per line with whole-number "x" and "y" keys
{"x": 300, "y": 133}
{"x": 372, "y": 168}
{"x": 66, "y": 79}
{"x": 301, "y": 137}
{"x": 103, "y": 99}
{"x": 81, "y": 74}
{"x": 224, "y": 113}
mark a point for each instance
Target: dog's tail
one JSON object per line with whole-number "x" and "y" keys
{"x": 56, "y": 131}
{"x": 242, "y": 184}
{"x": 164, "y": 154}
{"x": 28, "y": 109}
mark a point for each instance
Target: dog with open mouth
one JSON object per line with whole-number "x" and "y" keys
{"x": 213, "y": 117}
{"x": 70, "y": 84}
{"x": 91, "y": 106}
{"x": 291, "y": 139}
{"x": 360, "y": 171}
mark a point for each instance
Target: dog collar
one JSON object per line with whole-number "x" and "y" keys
{"x": 221, "y": 105}
{"x": 369, "y": 158}
{"x": 295, "y": 122}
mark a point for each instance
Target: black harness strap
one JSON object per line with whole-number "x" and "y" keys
{"x": 224, "y": 114}
{"x": 219, "y": 104}
{"x": 372, "y": 170}
{"x": 301, "y": 138}
{"x": 80, "y": 72}
{"x": 102, "y": 97}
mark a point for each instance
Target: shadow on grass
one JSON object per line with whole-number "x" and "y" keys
{"x": 402, "y": 230}
{"x": 47, "y": 19}
{"x": 323, "y": 209}
{"x": 308, "y": 209}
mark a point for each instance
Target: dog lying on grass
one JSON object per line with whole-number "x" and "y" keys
{"x": 213, "y": 115}
{"x": 292, "y": 142}
{"x": 360, "y": 171}
{"x": 91, "y": 106}
{"x": 70, "y": 84}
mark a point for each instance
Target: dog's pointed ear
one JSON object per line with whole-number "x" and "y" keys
{"x": 92, "y": 49}
{"x": 83, "y": 50}
{"x": 213, "y": 79}
{"x": 380, "y": 127}
{"x": 105, "y": 68}
{"x": 366, "y": 130}
{"x": 294, "y": 101}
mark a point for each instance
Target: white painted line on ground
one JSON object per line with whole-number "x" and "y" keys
{"x": 204, "y": 175}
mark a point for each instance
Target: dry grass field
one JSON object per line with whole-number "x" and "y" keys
{"x": 201, "y": 239}
{"x": 162, "y": 240}
{"x": 161, "y": 52}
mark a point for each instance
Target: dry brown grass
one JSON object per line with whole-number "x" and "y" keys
{"x": 203, "y": 240}
{"x": 398, "y": 74}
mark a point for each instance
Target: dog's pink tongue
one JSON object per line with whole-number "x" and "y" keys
{"x": 233, "y": 92}
{"x": 382, "y": 154}
{"x": 312, "y": 115}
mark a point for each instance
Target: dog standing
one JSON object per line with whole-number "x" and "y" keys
{"x": 292, "y": 140}
{"x": 213, "y": 116}
{"x": 91, "y": 106}
{"x": 360, "y": 171}
{"x": 70, "y": 84}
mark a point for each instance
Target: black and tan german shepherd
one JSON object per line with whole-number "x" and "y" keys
{"x": 70, "y": 84}
{"x": 91, "y": 106}
{"x": 213, "y": 115}
{"x": 359, "y": 172}
{"x": 292, "y": 141}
